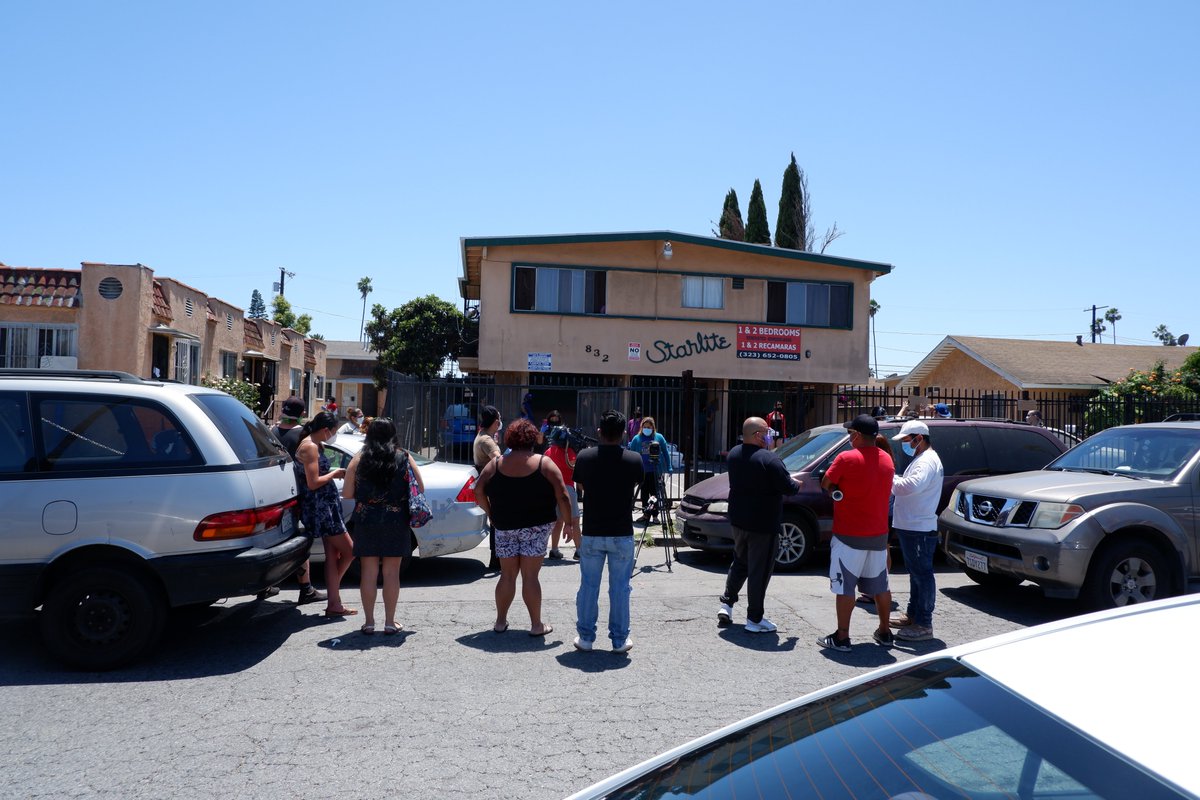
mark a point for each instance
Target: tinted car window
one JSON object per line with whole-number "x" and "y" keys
{"x": 958, "y": 447}
{"x": 250, "y": 439}
{"x": 940, "y": 729}
{"x": 1016, "y": 449}
{"x": 103, "y": 433}
{"x": 16, "y": 438}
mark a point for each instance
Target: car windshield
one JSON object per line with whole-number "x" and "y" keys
{"x": 801, "y": 451}
{"x": 1158, "y": 453}
{"x": 935, "y": 731}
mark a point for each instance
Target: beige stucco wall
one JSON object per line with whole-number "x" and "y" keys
{"x": 225, "y": 334}
{"x": 507, "y": 338}
{"x": 48, "y": 315}
{"x": 960, "y": 371}
{"x": 113, "y": 334}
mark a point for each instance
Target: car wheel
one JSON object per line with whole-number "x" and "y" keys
{"x": 100, "y": 618}
{"x": 1127, "y": 571}
{"x": 991, "y": 580}
{"x": 797, "y": 539}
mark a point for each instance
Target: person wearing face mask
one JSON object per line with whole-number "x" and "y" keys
{"x": 355, "y": 423}
{"x": 758, "y": 480}
{"x": 650, "y": 472}
{"x": 917, "y": 492}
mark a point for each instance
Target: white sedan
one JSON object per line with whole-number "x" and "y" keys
{"x": 458, "y": 524}
{"x": 1097, "y": 706}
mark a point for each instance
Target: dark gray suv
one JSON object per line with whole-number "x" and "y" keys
{"x": 968, "y": 448}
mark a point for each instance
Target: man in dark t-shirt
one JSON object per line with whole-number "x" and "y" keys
{"x": 607, "y": 473}
{"x": 288, "y": 431}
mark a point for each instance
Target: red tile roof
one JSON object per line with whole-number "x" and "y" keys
{"x": 35, "y": 286}
{"x": 251, "y": 335}
{"x": 161, "y": 305}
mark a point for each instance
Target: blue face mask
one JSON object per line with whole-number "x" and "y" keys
{"x": 908, "y": 449}
{"x": 768, "y": 439}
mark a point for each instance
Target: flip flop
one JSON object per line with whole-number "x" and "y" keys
{"x": 500, "y": 630}
{"x": 392, "y": 630}
{"x": 340, "y": 612}
{"x": 367, "y": 630}
{"x": 546, "y": 628}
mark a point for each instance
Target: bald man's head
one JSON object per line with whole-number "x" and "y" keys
{"x": 752, "y": 426}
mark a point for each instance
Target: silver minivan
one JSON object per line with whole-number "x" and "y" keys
{"x": 124, "y": 498}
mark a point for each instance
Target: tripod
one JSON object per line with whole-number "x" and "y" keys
{"x": 663, "y": 507}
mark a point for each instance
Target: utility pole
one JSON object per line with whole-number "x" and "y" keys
{"x": 1094, "y": 309}
{"x": 284, "y": 275}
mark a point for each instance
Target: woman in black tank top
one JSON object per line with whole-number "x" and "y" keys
{"x": 521, "y": 491}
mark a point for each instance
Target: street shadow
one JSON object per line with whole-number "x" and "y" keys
{"x": 760, "y": 642}
{"x": 870, "y": 655}
{"x": 1024, "y": 604}
{"x": 197, "y": 643}
{"x": 357, "y": 640}
{"x": 511, "y": 641}
{"x": 440, "y": 571}
{"x": 595, "y": 661}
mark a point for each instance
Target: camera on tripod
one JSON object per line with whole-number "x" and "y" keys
{"x": 655, "y": 451}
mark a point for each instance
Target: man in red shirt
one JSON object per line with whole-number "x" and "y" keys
{"x": 858, "y": 552}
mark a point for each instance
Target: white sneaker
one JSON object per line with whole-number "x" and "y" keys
{"x": 725, "y": 614}
{"x": 583, "y": 645}
{"x": 764, "y": 625}
{"x": 623, "y": 647}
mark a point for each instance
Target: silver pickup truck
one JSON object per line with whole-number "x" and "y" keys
{"x": 1115, "y": 520}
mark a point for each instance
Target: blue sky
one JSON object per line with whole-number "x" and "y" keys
{"x": 1015, "y": 162}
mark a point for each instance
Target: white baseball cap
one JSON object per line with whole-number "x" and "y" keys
{"x": 911, "y": 428}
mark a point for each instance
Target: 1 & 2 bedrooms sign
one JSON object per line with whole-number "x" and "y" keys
{"x": 772, "y": 342}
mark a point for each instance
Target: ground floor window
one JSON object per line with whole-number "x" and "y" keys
{"x": 228, "y": 364}
{"x": 187, "y": 361}
{"x": 24, "y": 346}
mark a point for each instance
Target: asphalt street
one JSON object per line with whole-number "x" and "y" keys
{"x": 267, "y": 699}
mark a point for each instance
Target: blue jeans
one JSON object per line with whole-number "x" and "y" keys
{"x": 918, "y": 548}
{"x": 593, "y": 550}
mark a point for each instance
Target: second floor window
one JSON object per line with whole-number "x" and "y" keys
{"x": 703, "y": 292}
{"x": 817, "y": 305}
{"x": 555, "y": 290}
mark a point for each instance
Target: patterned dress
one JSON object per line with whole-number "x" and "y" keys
{"x": 320, "y": 510}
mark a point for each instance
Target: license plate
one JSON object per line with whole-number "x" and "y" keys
{"x": 469, "y": 428}
{"x": 286, "y": 523}
{"x": 975, "y": 561}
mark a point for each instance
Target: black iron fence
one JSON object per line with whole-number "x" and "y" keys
{"x": 703, "y": 422}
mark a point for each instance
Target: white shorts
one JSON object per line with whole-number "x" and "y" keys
{"x": 850, "y": 569}
{"x": 573, "y": 499}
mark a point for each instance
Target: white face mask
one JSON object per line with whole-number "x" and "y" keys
{"x": 647, "y": 431}
{"x": 359, "y": 420}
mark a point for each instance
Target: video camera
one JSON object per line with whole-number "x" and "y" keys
{"x": 570, "y": 437}
{"x": 654, "y": 451}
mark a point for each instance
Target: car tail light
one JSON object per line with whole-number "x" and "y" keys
{"x": 467, "y": 493}
{"x": 240, "y": 524}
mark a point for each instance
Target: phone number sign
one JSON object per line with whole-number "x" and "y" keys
{"x": 771, "y": 342}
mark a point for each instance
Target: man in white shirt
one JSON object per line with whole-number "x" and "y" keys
{"x": 914, "y": 519}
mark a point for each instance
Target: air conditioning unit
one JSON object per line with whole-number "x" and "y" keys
{"x": 59, "y": 362}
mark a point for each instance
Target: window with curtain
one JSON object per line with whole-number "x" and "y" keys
{"x": 557, "y": 290}
{"x": 809, "y": 303}
{"x": 700, "y": 291}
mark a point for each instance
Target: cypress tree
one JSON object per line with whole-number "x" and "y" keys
{"x": 731, "y": 225}
{"x": 790, "y": 225}
{"x": 757, "y": 230}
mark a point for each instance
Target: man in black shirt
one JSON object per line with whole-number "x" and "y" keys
{"x": 288, "y": 432}
{"x": 758, "y": 480}
{"x": 607, "y": 473}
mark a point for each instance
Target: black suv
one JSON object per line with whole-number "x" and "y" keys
{"x": 968, "y": 448}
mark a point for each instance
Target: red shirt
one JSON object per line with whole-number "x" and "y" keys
{"x": 865, "y": 477}
{"x": 560, "y": 458}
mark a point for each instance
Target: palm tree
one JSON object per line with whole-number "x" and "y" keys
{"x": 364, "y": 288}
{"x": 872, "y": 310}
{"x": 1112, "y": 315}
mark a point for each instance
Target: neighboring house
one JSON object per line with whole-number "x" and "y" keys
{"x": 121, "y": 317}
{"x": 1054, "y": 370}
{"x": 350, "y": 376}
{"x": 638, "y": 309}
